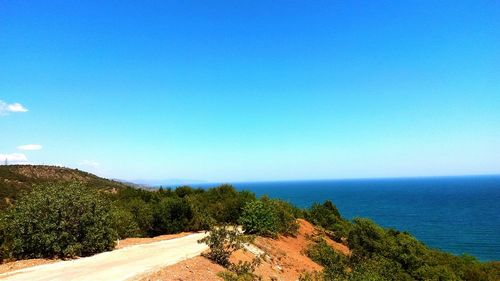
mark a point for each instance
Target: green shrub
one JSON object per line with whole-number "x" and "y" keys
{"x": 334, "y": 263}
{"x": 142, "y": 213}
{"x": 3, "y": 251}
{"x": 286, "y": 215}
{"x": 436, "y": 273}
{"x": 311, "y": 276}
{"x": 124, "y": 223}
{"x": 223, "y": 241}
{"x": 242, "y": 271}
{"x": 171, "y": 215}
{"x": 328, "y": 217}
{"x": 201, "y": 219}
{"x": 378, "y": 268}
{"x": 366, "y": 238}
{"x": 183, "y": 191}
{"x": 232, "y": 276}
{"x": 259, "y": 218}
{"x": 59, "y": 221}
{"x": 225, "y": 204}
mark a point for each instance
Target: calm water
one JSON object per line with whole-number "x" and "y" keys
{"x": 454, "y": 214}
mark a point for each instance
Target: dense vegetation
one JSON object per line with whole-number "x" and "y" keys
{"x": 58, "y": 221}
{"x": 56, "y": 218}
{"x": 16, "y": 179}
{"x": 387, "y": 254}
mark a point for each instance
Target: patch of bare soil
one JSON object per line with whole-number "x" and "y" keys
{"x": 194, "y": 269}
{"x": 15, "y": 265}
{"x": 285, "y": 259}
{"x": 137, "y": 241}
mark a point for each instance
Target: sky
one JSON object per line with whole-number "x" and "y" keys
{"x": 252, "y": 90}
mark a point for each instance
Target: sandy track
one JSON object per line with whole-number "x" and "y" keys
{"x": 123, "y": 264}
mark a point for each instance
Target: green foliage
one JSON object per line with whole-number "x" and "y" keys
{"x": 224, "y": 203}
{"x": 286, "y": 215}
{"x": 242, "y": 271}
{"x": 386, "y": 254}
{"x": 269, "y": 217}
{"x": 182, "y": 209}
{"x": 223, "y": 241}
{"x": 59, "y": 221}
{"x": 183, "y": 191}
{"x": 231, "y": 276}
{"x": 171, "y": 215}
{"x": 201, "y": 218}
{"x": 366, "y": 238}
{"x": 142, "y": 213}
{"x": 311, "y": 276}
{"x": 259, "y": 218}
{"x": 16, "y": 179}
{"x": 124, "y": 223}
{"x": 328, "y": 217}
{"x": 377, "y": 268}
{"x": 3, "y": 251}
{"x": 334, "y": 263}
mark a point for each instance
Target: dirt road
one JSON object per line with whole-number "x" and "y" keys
{"x": 124, "y": 264}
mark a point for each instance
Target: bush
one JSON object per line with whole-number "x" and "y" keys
{"x": 201, "y": 219}
{"x": 269, "y": 217}
{"x": 225, "y": 204}
{"x": 259, "y": 218}
{"x": 171, "y": 215}
{"x": 334, "y": 263}
{"x": 59, "y": 221}
{"x": 311, "y": 276}
{"x": 366, "y": 238}
{"x": 124, "y": 223}
{"x": 243, "y": 271}
{"x": 3, "y": 251}
{"x": 223, "y": 241}
{"x": 328, "y": 217}
{"x": 286, "y": 215}
{"x": 142, "y": 213}
{"x": 378, "y": 268}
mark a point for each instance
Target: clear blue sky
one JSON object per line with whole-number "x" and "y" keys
{"x": 252, "y": 90}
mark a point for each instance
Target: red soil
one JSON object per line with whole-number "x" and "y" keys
{"x": 194, "y": 269}
{"x": 285, "y": 259}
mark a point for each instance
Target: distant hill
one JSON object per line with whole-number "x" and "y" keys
{"x": 17, "y": 178}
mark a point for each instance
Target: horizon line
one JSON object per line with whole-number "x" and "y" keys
{"x": 336, "y": 179}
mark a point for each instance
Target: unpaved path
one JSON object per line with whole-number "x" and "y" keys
{"x": 123, "y": 264}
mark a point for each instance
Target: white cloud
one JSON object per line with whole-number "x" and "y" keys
{"x": 90, "y": 163}
{"x": 6, "y": 108}
{"x": 13, "y": 158}
{"x": 30, "y": 147}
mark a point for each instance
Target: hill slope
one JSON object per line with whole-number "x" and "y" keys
{"x": 15, "y": 179}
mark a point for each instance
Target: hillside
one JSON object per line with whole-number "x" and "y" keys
{"x": 15, "y": 179}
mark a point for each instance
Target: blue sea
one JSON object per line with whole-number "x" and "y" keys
{"x": 455, "y": 214}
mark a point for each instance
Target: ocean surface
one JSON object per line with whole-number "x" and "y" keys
{"x": 455, "y": 214}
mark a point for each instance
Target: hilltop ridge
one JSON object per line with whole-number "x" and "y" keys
{"x": 15, "y": 179}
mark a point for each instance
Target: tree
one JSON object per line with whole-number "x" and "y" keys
{"x": 259, "y": 218}
{"x": 59, "y": 221}
{"x": 171, "y": 215}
